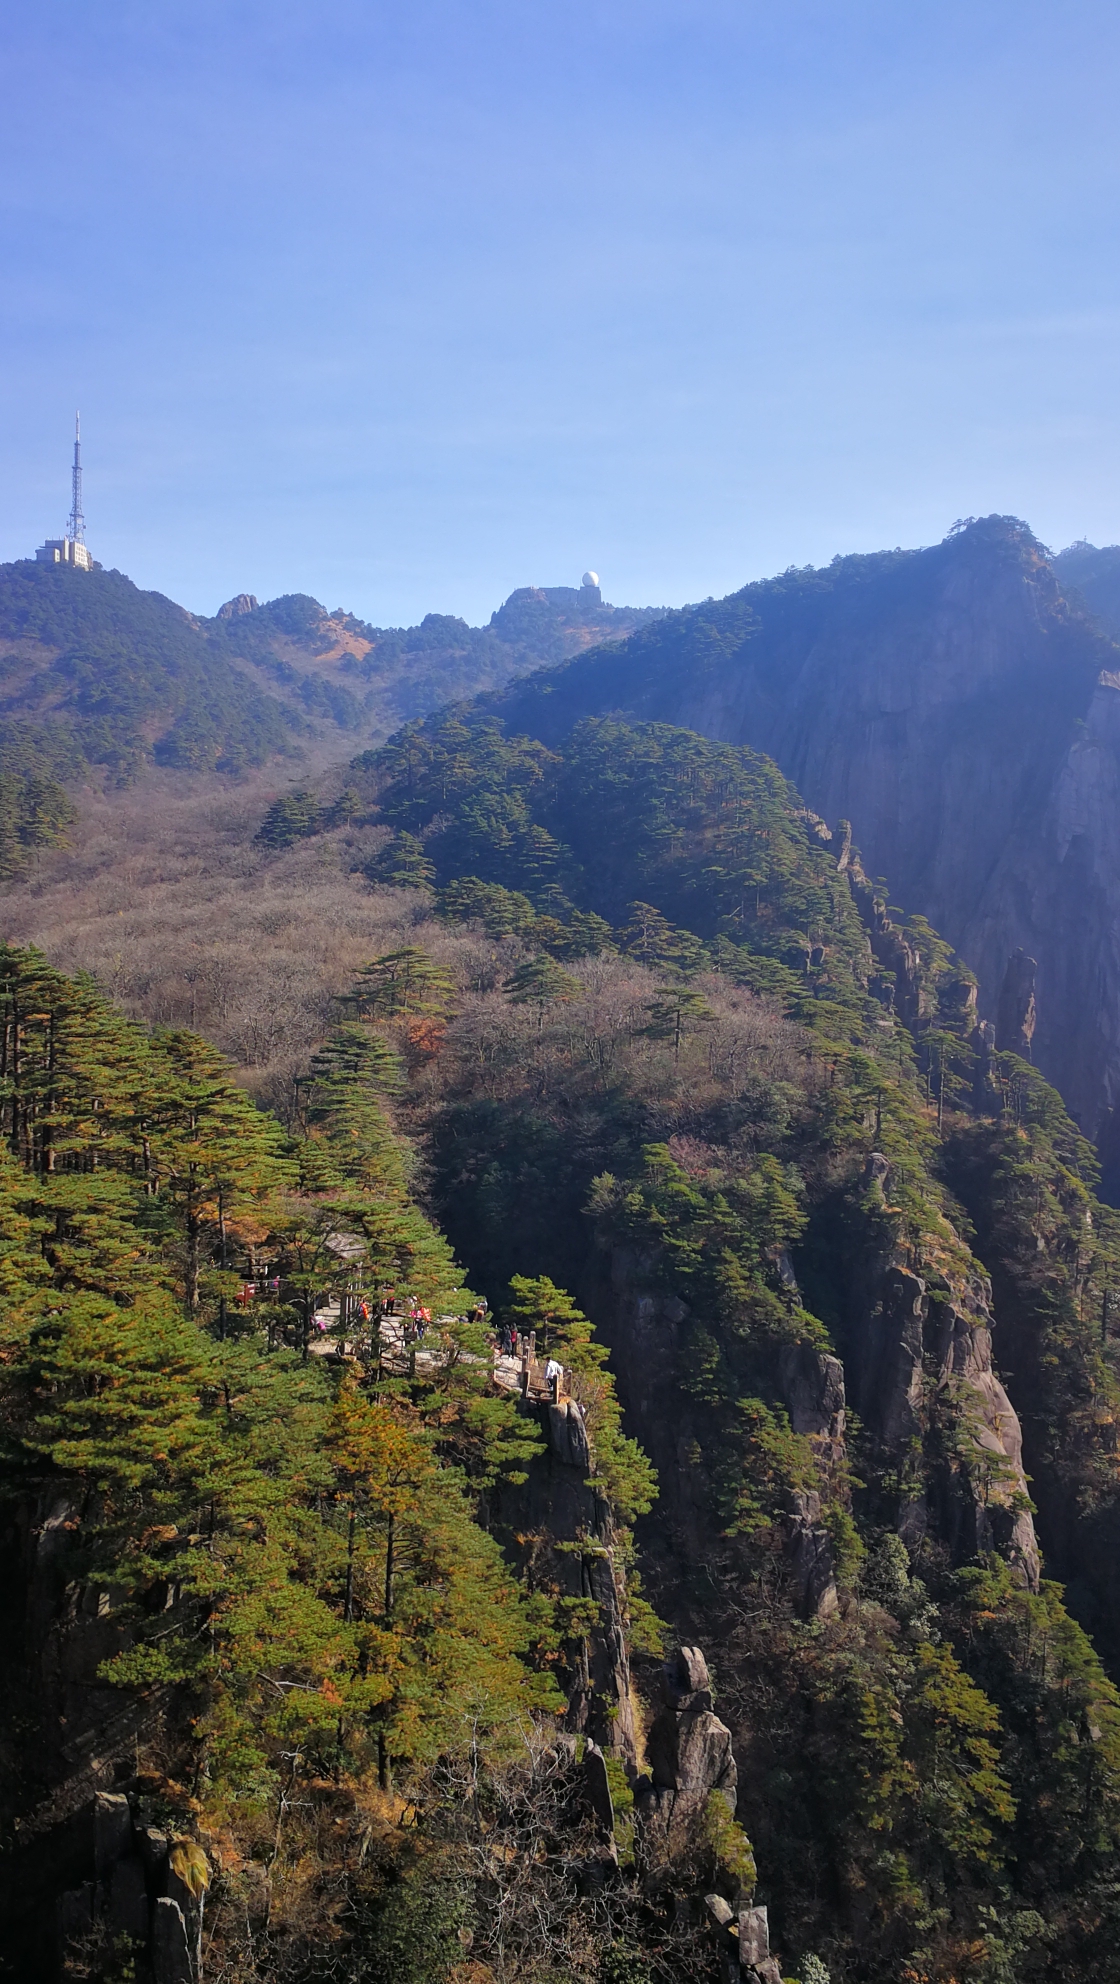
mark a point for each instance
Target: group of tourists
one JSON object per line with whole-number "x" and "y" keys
{"x": 510, "y": 1342}
{"x": 507, "y": 1340}
{"x": 414, "y": 1321}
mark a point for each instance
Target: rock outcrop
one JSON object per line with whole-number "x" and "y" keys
{"x": 688, "y": 1748}
{"x": 557, "y": 1516}
{"x": 1017, "y": 1013}
{"x": 123, "y": 1883}
{"x": 649, "y": 1330}
{"x": 918, "y": 1357}
{"x": 917, "y": 1366}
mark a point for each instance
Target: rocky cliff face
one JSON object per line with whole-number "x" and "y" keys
{"x": 917, "y": 1341}
{"x": 963, "y": 715}
{"x": 916, "y": 1365}
{"x": 565, "y": 1534}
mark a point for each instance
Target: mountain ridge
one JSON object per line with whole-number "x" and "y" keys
{"x": 97, "y": 675}
{"x": 958, "y": 709}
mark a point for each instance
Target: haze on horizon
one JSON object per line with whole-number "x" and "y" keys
{"x": 405, "y": 308}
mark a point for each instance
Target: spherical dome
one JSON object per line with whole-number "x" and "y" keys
{"x": 591, "y": 578}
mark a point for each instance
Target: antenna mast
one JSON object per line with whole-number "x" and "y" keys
{"x": 77, "y": 524}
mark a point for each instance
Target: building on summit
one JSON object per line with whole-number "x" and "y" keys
{"x": 71, "y": 549}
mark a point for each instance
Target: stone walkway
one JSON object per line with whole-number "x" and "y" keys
{"x": 397, "y": 1354}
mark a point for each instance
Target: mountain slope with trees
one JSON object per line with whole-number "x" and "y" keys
{"x": 652, "y": 1059}
{"x": 99, "y": 677}
{"x": 371, "y": 679}
{"x": 961, "y": 712}
{"x": 770, "y": 1110}
{"x": 1093, "y": 574}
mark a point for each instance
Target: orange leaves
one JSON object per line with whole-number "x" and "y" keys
{"x": 424, "y": 1038}
{"x": 377, "y": 1458}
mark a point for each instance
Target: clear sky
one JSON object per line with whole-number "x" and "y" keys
{"x": 406, "y": 305}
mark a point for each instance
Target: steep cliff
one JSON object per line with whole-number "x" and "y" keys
{"x": 1093, "y": 573}
{"x": 962, "y": 714}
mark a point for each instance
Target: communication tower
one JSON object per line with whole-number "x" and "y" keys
{"x": 71, "y": 549}
{"x": 77, "y": 521}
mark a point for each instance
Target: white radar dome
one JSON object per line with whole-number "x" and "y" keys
{"x": 591, "y": 578}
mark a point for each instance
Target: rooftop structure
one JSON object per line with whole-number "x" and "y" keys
{"x": 71, "y": 549}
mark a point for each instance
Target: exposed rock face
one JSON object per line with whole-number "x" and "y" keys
{"x": 597, "y": 1789}
{"x": 122, "y": 1884}
{"x": 917, "y": 1352}
{"x": 911, "y": 1352}
{"x": 171, "y": 1956}
{"x": 953, "y": 706}
{"x": 648, "y": 1328}
{"x": 557, "y": 1506}
{"x": 688, "y": 1747}
{"x": 1017, "y": 1014}
{"x": 246, "y": 602}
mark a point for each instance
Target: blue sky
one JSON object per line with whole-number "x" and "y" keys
{"x": 406, "y": 306}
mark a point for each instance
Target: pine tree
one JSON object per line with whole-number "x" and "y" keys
{"x": 541, "y": 982}
{"x": 402, "y": 864}
{"x": 674, "y": 1013}
{"x": 401, "y": 983}
{"x": 214, "y": 1154}
{"x": 294, "y": 816}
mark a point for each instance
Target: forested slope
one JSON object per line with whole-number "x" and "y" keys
{"x": 651, "y": 1050}
{"x": 98, "y": 673}
{"x": 100, "y": 678}
{"x": 962, "y": 713}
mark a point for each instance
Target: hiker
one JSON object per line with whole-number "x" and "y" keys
{"x": 553, "y": 1374}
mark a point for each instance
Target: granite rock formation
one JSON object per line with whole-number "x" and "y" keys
{"x": 555, "y": 1510}
{"x": 688, "y": 1747}
{"x": 918, "y": 1355}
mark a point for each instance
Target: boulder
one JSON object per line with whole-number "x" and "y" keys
{"x": 688, "y": 1747}
{"x": 691, "y": 1755}
{"x": 598, "y": 1789}
{"x": 685, "y": 1680}
{"x": 754, "y": 1935}
{"x": 112, "y": 1831}
{"x": 755, "y": 1959}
